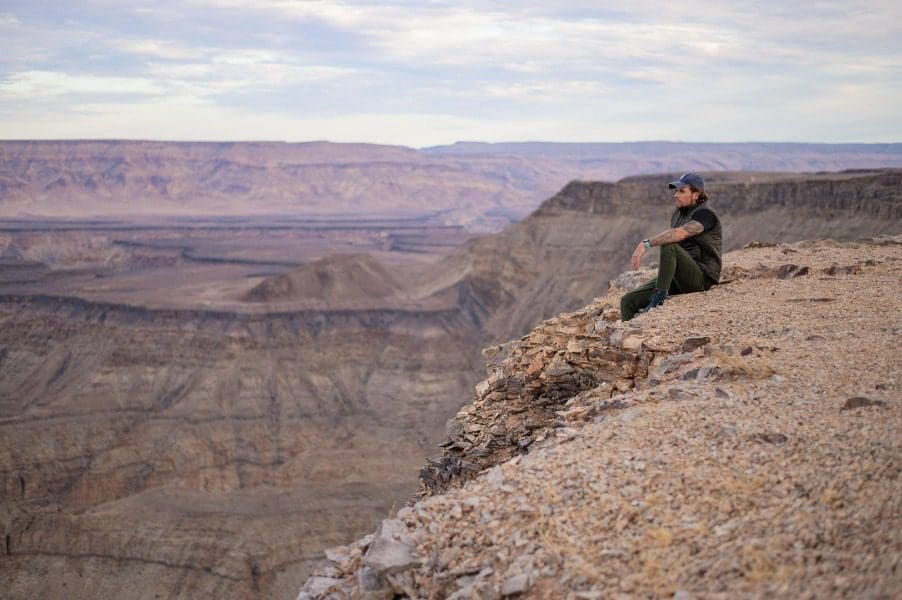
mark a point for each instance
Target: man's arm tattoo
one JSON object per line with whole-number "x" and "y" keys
{"x": 671, "y": 236}
{"x": 677, "y": 234}
{"x": 693, "y": 228}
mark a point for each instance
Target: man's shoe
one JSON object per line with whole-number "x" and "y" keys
{"x": 657, "y": 299}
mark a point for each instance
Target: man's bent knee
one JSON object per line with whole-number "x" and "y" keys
{"x": 630, "y": 303}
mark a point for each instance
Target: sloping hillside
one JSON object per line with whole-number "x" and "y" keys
{"x": 334, "y": 280}
{"x": 738, "y": 442}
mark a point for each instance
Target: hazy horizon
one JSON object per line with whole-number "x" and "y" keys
{"x": 449, "y": 144}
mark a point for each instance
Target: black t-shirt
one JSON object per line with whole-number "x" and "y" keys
{"x": 704, "y": 216}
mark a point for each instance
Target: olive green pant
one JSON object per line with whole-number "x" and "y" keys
{"x": 677, "y": 273}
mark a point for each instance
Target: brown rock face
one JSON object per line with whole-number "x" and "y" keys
{"x": 196, "y": 454}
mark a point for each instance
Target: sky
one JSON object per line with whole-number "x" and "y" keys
{"x": 434, "y": 72}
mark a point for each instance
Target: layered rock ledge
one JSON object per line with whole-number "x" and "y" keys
{"x": 740, "y": 442}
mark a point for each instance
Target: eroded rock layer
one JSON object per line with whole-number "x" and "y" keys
{"x": 192, "y": 453}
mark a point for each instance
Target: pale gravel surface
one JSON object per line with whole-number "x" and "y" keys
{"x": 753, "y": 484}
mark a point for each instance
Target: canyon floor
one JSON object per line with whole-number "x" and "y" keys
{"x": 742, "y": 442}
{"x": 208, "y": 263}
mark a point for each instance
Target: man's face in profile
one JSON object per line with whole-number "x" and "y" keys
{"x": 684, "y": 197}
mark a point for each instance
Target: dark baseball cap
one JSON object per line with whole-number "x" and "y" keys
{"x": 685, "y": 179}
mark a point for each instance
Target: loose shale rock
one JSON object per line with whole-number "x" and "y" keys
{"x": 615, "y": 470}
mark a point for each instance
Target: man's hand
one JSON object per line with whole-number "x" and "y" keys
{"x": 637, "y": 256}
{"x": 671, "y": 236}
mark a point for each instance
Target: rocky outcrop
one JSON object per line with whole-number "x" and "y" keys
{"x": 564, "y": 254}
{"x": 529, "y": 379}
{"x": 736, "y": 442}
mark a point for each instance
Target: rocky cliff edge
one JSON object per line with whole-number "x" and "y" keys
{"x": 740, "y": 442}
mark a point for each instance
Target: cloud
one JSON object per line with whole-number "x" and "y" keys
{"x": 497, "y": 70}
{"x": 156, "y": 49}
{"x": 37, "y": 85}
{"x": 8, "y": 20}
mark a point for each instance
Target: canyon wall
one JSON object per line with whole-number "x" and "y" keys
{"x": 193, "y": 453}
{"x": 217, "y": 446}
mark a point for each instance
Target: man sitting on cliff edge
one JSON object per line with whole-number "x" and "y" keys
{"x": 690, "y": 250}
